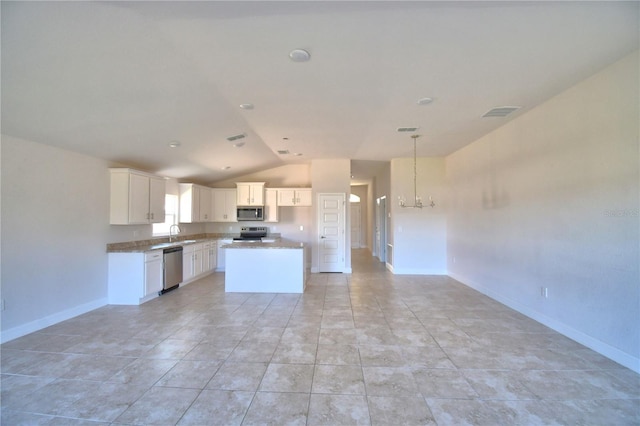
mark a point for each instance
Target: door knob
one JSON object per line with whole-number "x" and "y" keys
{"x": 323, "y": 237}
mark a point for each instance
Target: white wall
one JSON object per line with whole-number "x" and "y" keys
{"x": 419, "y": 236}
{"x": 551, "y": 200}
{"x": 55, "y": 227}
{"x": 289, "y": 176}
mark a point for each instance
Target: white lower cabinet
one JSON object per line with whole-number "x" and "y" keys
{"x": 197, "y": 260}
{"x": 189, "y": 262}
{"x": 134, "y": 278}
{"x": 209, "y": 260}
{"x": 153, "y": 272}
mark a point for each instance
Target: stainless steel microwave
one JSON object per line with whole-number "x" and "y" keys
{"x": 250, "y": 213}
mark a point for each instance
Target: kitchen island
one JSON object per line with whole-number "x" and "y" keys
{"x": 265, "y": 267}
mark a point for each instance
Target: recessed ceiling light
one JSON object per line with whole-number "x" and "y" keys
{"x": 238, "y": 144}
{"x": 297, "y": 154}
{"x": 299, "y": 55}
{"x": 226, "y": 168}
{"x": 246, "y": 106}
{"x": 174, "y": 144}
{"x": 407, "y": 129}
{"x": 285, "y": 139}
{"x": 283, "y": 151}
{"x": 425, "y": 101}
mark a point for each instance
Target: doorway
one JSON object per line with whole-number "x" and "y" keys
{"x": 356, "y": 225}
{"x": 331, "y": 235}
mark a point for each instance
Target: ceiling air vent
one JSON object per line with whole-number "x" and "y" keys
{"x": 407, "y": 129}
{"x": 236, "y": 137}
{"x": 501, "y": 111}
{"x": 283, "y": 151}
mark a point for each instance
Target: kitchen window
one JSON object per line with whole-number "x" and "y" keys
{"x": 170, "y": 216}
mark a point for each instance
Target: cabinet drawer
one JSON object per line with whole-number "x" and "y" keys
{"x": 153, "y": 255}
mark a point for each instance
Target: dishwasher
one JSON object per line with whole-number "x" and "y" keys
{"x": 172, "y": 265}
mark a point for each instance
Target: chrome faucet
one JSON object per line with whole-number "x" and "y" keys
{"x": 171, "y": 229}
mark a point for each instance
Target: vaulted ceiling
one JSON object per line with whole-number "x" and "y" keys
{"x": 122, "y": 80}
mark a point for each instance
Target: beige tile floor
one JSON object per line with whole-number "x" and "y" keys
{"x": 365, "y": 348}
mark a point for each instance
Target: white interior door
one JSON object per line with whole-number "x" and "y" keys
{"x": 331, "y": 237}
{"x": 356, "y": 227}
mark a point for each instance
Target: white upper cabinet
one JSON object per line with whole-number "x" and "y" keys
{"x": 223, "y": 205}
{"x": 250, "y": 193}
{"x": 136, "y": 197}
{"x": 205, "y": 204}
{"x": 294, "y": 197}
{"x": 195, "y": 203}
{"x": 270, "y": 205}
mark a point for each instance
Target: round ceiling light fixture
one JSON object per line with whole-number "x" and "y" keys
{"x": 247, "y": 106}
{"x": 238, "y": 144}
{"x": 174, "y": 144}
{"x": 299, "y": 55}
{"x": 226, "y": 168}
{"x": 425, "y": 101}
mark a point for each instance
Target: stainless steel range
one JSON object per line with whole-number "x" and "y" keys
{"x": 252, "y": 233}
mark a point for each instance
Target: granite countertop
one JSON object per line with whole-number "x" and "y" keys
{"x": 142, "y": 246}
{"x": 278, "y": 243}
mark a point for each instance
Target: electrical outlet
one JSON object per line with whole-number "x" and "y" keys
{"x": 454, "y": 260}
{"x": 2, "y": 305}
{"x": 544, "y": 292}
{"x": 301, "y": 227}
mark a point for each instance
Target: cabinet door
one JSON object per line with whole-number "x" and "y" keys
{"x": 243, "y": 196}
{"x": 230, "y": 212}
{"x": 271, "y": 205}
{"x": 286, "y": 197}
{"x": 303, "y": 197}
{"x": 138, "y": 199}
{"x": 157, "y": 194}
{"x": 153, "y": 276}
{"x": 213, "y": 261}
{"x": 218, "y": 205}
{"x": 223, "y": 205}
{"x": 205, "y": 257}
{"x": 205, "y": 204}
{"x": 187, "y": 266}
{"x": 257, "y": 194}
{"x": 197, "y": 261}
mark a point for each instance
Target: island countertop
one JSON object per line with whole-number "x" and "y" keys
{"x": 278, "y": 243}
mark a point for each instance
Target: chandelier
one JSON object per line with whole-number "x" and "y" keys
{"x": 417, "y": 201}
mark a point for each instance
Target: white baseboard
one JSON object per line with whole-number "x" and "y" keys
{"x": 602, "y": 348}
{"x": 413, "y": 271}
{"x": 39, "y": 324}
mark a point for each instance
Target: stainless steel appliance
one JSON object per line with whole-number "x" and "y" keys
{"x": 252, "y": 233}
{"x": 250, "y": 213}
{"x": 172, "y": 262}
